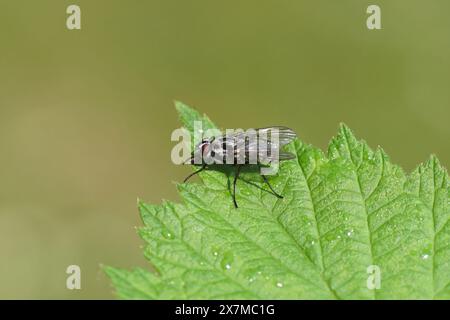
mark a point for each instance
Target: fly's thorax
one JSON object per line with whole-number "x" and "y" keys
{"x": 212, "y": 152}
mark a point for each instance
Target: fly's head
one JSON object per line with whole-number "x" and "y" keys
{"x": 200, "y": 151}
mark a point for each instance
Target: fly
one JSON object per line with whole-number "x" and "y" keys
{"x": 260, "y": 147}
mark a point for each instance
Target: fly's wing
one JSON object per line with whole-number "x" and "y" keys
{"x": 284, "y": 155}
{"x": 254, "y": 146}
{"x": 268, "y": 141}
{"x": 269, "y": 146}
{"x": 285, "y": 134}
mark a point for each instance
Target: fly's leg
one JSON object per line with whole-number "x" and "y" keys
{"x": 238, "y": 171}
{"x": 270, "y": 187}
{"x": 273, "y": 191}
{"x": 194, "y": 173}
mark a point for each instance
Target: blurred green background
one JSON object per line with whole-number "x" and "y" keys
{"x": 86, "y": 116}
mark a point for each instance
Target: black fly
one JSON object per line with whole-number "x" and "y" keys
{"x": 260, "y": 147}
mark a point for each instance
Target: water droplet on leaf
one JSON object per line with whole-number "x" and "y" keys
{"x": 166, "y": 234}
{"x": 227, "y": 260}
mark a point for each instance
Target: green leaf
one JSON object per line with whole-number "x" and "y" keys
{"x": 430, "y": 183}
{"x": 341, "y": 213}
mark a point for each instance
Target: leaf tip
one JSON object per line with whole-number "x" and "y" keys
{"x": 434, "y": 159}
{"x": 109, "y": 271}
{"x": 180, "y": 106}
{"x": 180, "y": 186}
{"x": 435, "y": 163}
{"x": 345, "y": 130}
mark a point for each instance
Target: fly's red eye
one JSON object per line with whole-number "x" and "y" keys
{"x": 204, "y": 147}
